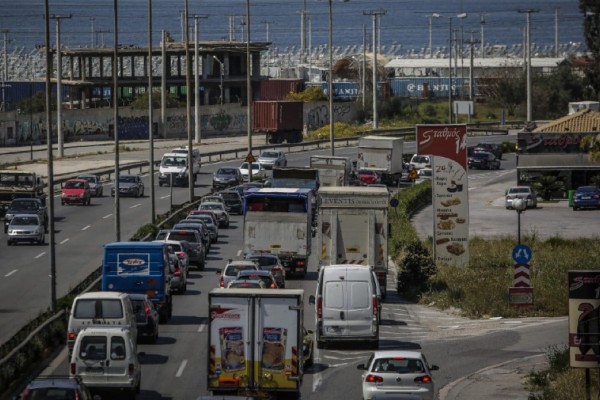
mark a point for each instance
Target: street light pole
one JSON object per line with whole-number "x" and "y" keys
{"x": 519, "y": 205}
{"x": 222, "y": 70}
{"x": 330, "y": 79}
{"x": 150, "y": 119}
{"x": 528, "y": 47}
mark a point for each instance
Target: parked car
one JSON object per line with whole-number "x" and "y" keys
{"x": 522, "y": 192}
{"x": 219, "y": 210}
{"x": 25, "y": 228}
{"x": 483, "y": 160}
{"x": 231, "y": 270}
{"x": 226, "y": 177}
{"x": 367, "y": 176}
{"x": 129, "y": 185}
{"x": 272, "y": 158}
{"x": 586, "y": 197}
{"x": 146, "y": 317}
{"x": 233, "y": 201}
{"x": 55, "y": 387}
{"x": 76, "y": 191}
{"x": 96, "y": 187}
{"x": 271, "y": 263}
{"x": 419, "y": 161}
{"x": 258, "y": 171}
{"x": 491, "y": 147}
{"x": 397, "y": 374}
{"x": 263, "y": 275}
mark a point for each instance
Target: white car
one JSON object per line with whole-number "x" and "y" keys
{"x": 219, "y": 210}
{"x": 419, "y": 161}
{"x": 397, "y": 374}
{"x": 272, "y": 158}
{"x": 258, "y": 171}
{"x": 424, "y": 174}
{"x": 25, "y": 228}
{"x": 231, "y": 270}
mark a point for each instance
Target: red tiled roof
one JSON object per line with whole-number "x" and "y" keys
{"x": 581, "y": 121}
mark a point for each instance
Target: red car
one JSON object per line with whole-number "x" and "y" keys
{"x": 367, "y": 176}
{"x": 76, "y": 191}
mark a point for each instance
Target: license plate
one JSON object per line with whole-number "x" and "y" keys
{"x": 333, "y": 329}
{"x": 586, "y": 197}
{"x": 94, "y": 370}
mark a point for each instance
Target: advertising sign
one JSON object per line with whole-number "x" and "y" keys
{"x": 447, "y": 143}
{"x": 584, "y": 319}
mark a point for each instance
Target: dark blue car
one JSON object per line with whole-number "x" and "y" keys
{"x": 586, "y": 196}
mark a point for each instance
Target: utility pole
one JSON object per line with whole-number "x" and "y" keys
{"x": 151, "y": 118}
{"x": 264, "y": 21}
{"x": 556, "y": 32}
{"x": 163, "y": 83}
{"x": 59, "y": 131}
{"x": 115, "y": 99}
{"x": 364, "y": 67}
{"x": 528, "y": 60}
{"x": 92, "y": 19}
{"x": 375, "y": 14}
{"x": 471, "y": 42}
{"x": 303, "y": 32}
{"x": 249, "y": 90}
{"x": 188, "y": 101}
{"x": 481, "y": 25}
{"x": 197, "y": 73}
{"x": 5, "y": 69}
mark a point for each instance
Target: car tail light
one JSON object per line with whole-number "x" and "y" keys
{"x": 77, "y": 395}
{"x": 423, "y": 379}
{"x": 319, "y": 307}
{"x": 180, "y": 254}
{"x": 221, "y": 282}
{"x": 131, "y": 369}
{"x": 72, "y": 336}
{"x": 273, "y": 285}
{"x": 147, "y": 310}
{"x": 374, "y": 378}
{"x": 26, "y": 394}
{"x": 375, "y": 306}
{"x": 300, "y": 262}
{"x": 177, "y": 271}
{"x": 73, "y": 369}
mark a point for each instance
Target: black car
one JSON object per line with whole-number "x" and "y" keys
{"x": 226, "y": 177}
{"x": 483, "y": 160}
{"x": 233, "y": 201}
{"x": 491, "y": 148}
{"x": 146, "y": 317}
{"x": 197, "y": 251}
{"x": 129, "y": 185}
{"x": 200, "y": 227}
{"x": 55, "y": 387}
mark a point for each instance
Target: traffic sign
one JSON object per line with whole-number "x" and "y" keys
{"x": 522, "y": 254}
{"x": 250, "y": 158}
{"x": 413, "y": 174}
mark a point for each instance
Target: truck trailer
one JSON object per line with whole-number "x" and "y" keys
{"x": 353, "y": 228}
{"x": 279, "y": 221}
{"x": 333, "y": 170}
{"x": 382, "y": 154}
{"x": 255, "y": 339}
{"x": 281, "y": 121}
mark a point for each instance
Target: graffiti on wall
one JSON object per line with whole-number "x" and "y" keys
{"x": 318, "y": 114}
{"x": 133, "y": 127}
{"x": 30, "y": 131}
{"x": 84, "y": 127}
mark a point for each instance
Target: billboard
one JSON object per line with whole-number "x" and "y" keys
{"x": 450, "y": 195}
{"x": 584, "y": 319}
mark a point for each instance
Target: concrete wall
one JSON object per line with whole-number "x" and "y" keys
{"x": 97, "y": 123}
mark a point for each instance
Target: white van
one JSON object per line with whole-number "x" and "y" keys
{"x": 347, "y": 307}
{"x": 105, "y": 357}
{"x": 100, "y": 308}
{"x": 174, "y": 169}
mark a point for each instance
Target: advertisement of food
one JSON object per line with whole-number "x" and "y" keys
{"x": 447, "y": 143}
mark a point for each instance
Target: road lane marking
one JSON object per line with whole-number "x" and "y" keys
{"x": 107, "y": 216}
{"x": 85, "y": 228}
{"x": 201, "y": 328}
{"x": 181, "y": 368}
{"x": 165, "y": 197}
{"x": 10, "y": 273}
{"x": 43, "y": 253}
{"x": 135, "y": 205}
{"x": 64, "y": 241}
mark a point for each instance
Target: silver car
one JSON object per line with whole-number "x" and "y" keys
{"x": 129, "y": 185}
{"x": 96, "y": 187}
{"x": 526, "y": 193}
{"x": 397, "y": 374}
{"x": 272, "y": 158}
{"x": 26, "y": 228}
{"x": 219, "y": 210}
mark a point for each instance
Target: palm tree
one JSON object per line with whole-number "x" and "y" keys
{"x": 547, "y": 185}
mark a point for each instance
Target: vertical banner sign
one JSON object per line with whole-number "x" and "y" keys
{"x": 447, "y": 143}
{"x": 584, "y": 319}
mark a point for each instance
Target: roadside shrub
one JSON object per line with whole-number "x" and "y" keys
{"x": 416, "y": 268}
{"x": 144, "y": 231}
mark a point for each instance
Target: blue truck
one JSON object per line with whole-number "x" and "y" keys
{"x": 140, "y": 267}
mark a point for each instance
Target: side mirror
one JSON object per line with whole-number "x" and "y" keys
{"x": 361, "y": 366}
{"x": 434, "y": 368}
{"x": 311, "y": 299}
{"x": 218, "y": 272}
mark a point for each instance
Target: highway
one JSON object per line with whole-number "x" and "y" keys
{"x": 175, "y": 367}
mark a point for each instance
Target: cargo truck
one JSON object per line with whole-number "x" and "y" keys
{"x": 353, "y": 228}
{"x": 255, "y": 339}
{"x": 384, "y": 156}
{"x": 280, "y": 121}
{"x": 333, "y": 171}
{"x": 279, "y": 221}
{"x": 19, "y": 184}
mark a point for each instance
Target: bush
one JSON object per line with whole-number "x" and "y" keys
{"x": 416, "y": 268}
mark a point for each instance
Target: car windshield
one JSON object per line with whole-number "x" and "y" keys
{"x": 365, "y": 172}
{"x": 480, "y": 155}
{"x": 587, "y": 189}
{"x": 127, "y": 179}
{"x": 232, "y": 270}
{"x": 230, "y": 195}
{"x": 90, "y": 179}
{"x": 22, "y": 220}
{"x": 264, "y": 261}
{"x": 519, "y": 190}
{"x": 269, "y": 154}
{"x": 211, "y": 206}
{"x": 254, "y": 166}
{"x": 24, "y": 205}
{"x": 226, "y": 171}
{"x": 420, "y": 159}
{"x": 74, "y": 185}
{"x": 174, "y": 161}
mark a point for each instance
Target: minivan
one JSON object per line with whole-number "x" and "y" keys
{"x": 100, "y": 308}
{"x": 106, "y": 358}
{"x": 346, "y": 305}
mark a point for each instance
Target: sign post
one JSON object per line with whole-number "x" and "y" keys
{"x": 521, "y": 294}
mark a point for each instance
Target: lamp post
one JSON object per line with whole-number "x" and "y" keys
{"x": 528, "y": 48}
{"x": 431, "y": 17}
{"x": 519, "y": 205}
{"x": 221, "y": 81}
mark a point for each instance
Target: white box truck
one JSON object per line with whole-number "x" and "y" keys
{"x": 255, "y": 339}
{"x": 279, "y": 221}
{"x": 333, "y": 170}
{"x": 353, "y": 228}
{"x": 382, "y": 154}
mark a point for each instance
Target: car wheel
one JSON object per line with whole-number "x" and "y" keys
{"x": 8, "y": 243}
{"x": 575, "y": 208}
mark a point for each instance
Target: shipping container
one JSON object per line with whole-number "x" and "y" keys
{"x": 280, "y": 120}
{"x": 430, "y": 87}
{"x": 279, "y": 89}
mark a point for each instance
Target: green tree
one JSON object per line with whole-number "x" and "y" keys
{"x": 591, "y": 32}
{"x": 313, "y": 93}
{"x": 141, "y": 101}
{"x": 507, "y": 88}
{"x": 36, "y": 103}
{"x": 553, "y": 92}
{"x": 547, "y": 185}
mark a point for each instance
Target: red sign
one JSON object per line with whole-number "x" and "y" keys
{"x": 449, "y": 141}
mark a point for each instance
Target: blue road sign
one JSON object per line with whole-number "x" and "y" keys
{"x": 521, "y": 254}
